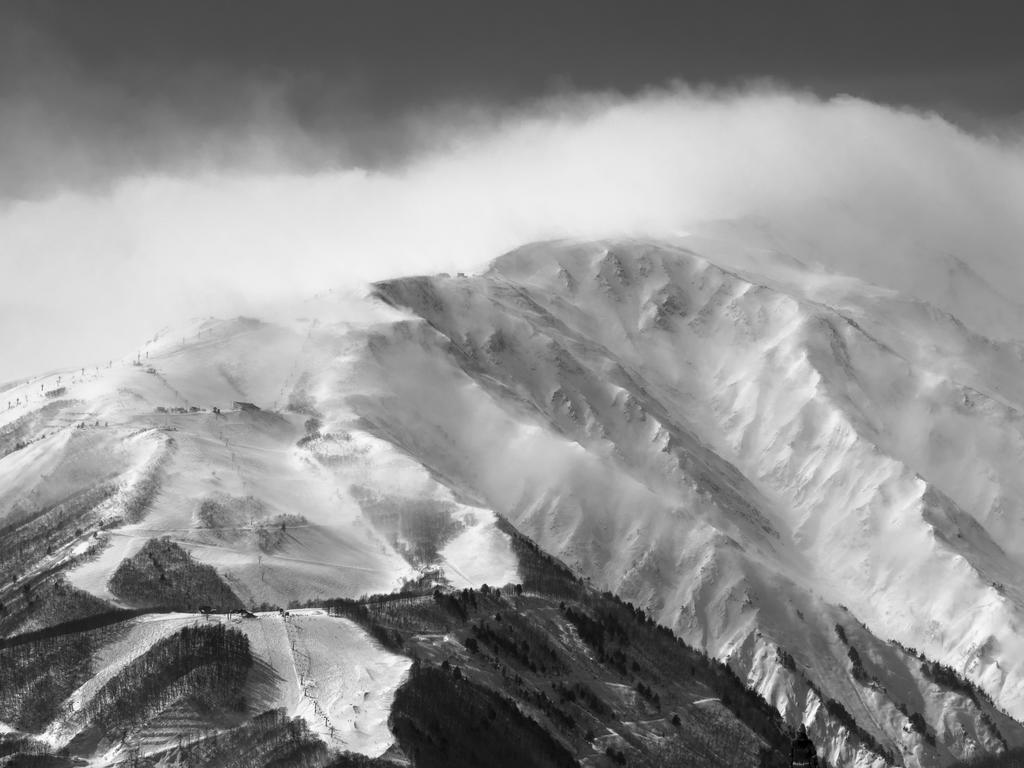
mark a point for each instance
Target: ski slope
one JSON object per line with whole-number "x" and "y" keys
{"x": 327, "y": 547}
{"x": 326, "y": 670}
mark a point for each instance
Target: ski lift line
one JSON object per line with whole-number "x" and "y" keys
{"x": 295, "y": 669}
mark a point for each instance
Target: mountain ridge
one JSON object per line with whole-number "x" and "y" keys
{"x": 738, "y": 455}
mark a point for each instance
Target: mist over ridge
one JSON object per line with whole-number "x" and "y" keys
{"x": 885, "y": 194}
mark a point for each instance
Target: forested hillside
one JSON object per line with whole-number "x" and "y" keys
{"x": 577, "y": 672}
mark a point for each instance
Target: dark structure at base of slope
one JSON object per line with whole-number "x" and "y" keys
{"x": 163, "y": 574}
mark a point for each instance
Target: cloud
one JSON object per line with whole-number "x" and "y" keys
{"x": 874, "y": 191}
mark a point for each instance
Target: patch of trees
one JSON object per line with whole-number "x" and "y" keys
{"x": 22, "y": 431}
{"x": 17, "y": 743}
{"x": 84, "y": 624}
{"x": 270, "y": 537}
{"x": 524, "y": 638}
{"x": 612, "y": 624}
{"x": 451, "y": 603}
{"x": 993, "y": 730}
{"x": 950, "y": 679}
{"x": 300, "y": 401}
{"x": 514, "y": 642}
{"x": 615, "y": 755}
{"x": 909, "y": 650}
{"x": 540, "y": 571}
{"x": 839, "y": 713}
{"x": 417, "y": 528}
{"x": 748, "y": 706}
{"x": 576, "y": 692}
{"x": 29, "y": 536}
{"x": 47, "y": 603}
{"x": 857, "y": 667}
{"x": 503, "y": 642}
{"x": 162, "y": 574}
{"x": 235, "y": 517}
{"x": 268, "y": 739}
{"x": 390, "y": 617}
{"x": 312, "y": 426}
{"x": 224, "y": 511}
{"x": 656, "y": 658}
{"x": 205, "y": 665}
{"x": 18, "y": 751}
{"x": 649, "y": 694}
{"x": 594, "y": 631}
{"x": 917, "y": 723}
{"x": 355, "y": 760}
{"x": 671, "y": 753}
{"x": 665, "y": 651}
{"x": 841, "y": 634}
{"x": 145, "y": 490}
{"x": 487, "y": 621}
{"x": 785, "y": 658}
{"x": 556, "y": 711}
{"x": 443, "y": 720}
{"x": 361, "y": 613}
{"x": 37, "y": 676}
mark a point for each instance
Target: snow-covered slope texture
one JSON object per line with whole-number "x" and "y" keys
{"x": 758, "y": 455}
{"x": 288, "y": 498}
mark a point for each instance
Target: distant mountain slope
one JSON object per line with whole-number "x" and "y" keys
{"x": 743, "y": 456}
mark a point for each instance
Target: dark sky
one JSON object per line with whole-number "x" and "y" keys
{"x": 90, "y": 90}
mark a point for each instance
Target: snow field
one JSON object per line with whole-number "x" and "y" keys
{"x": 347, "y": 681}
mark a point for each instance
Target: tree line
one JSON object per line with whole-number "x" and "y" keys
{"x": 205, "y": 664}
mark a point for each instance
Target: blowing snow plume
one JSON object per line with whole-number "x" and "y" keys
{"x": 896, "y": 197}
{"x": 864, "y": 189}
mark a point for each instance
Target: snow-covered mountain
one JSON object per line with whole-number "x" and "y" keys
{"x": 812, "y": 478}
{"x": 745, "y": 454}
